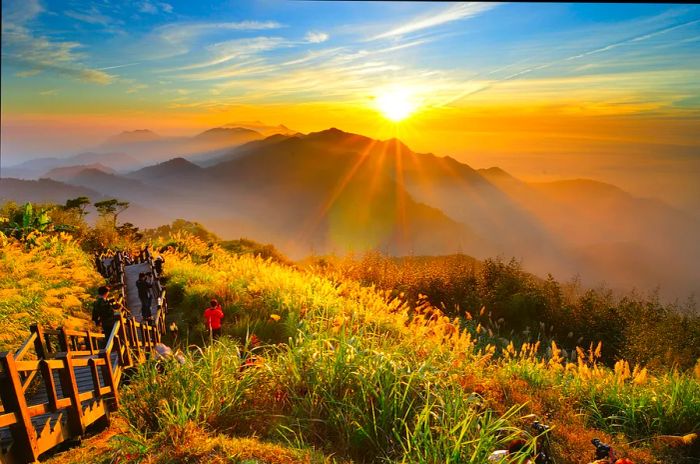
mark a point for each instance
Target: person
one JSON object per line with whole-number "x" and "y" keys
{"x": 212, "y": 318}
{"x": 144, "y": 289}
{"x": 158, "y": 265}
{"x": 103, "y": 311}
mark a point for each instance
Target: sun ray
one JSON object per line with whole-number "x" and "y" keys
{"x": 313, "y": 221}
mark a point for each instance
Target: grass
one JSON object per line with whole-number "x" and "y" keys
{"x": 318, "y": 369}
{"x": 359, "y": 374}
{"x": 49, "y": 282}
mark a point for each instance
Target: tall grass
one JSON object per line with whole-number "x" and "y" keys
{"x": 361, "y": 374}
{"x": 47, "y": 280}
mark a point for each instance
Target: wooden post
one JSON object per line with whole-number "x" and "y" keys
{"x": 49, "y": 383}
{"x": 123, "y": 339}
{"x": 95, "y": 377}
{"x": 40, "y": 341}
{"x": 63, "y": 340}
{"x": 88, "y": 339}
{"x": 108, "y": 375}
{"x": 13, "y": 399}
{"x": 70, "y": 390}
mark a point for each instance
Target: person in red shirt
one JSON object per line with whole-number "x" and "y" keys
{"x": 212, "y": 318}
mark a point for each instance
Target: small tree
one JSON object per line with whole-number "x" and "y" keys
{"x": 77, "y": 204}
{"x": 112, "y": 208}
{"x": 129, "y": 232}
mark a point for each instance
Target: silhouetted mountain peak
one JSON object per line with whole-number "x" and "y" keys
{"x": 495, "y": 171}
{"x": 172, "y": 168}
{"x": 335, "y": 135}
{"x": 67, "y": 172}
{"x": 219, "y": 132}
{"x": 138, "y": 135}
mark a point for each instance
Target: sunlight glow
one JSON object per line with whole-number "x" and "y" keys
{"x": 397, "y": 103}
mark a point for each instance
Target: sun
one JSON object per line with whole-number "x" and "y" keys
{"x": 397, "y": 103}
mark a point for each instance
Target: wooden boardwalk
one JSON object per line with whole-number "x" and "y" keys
{"x": 61, "y": 381}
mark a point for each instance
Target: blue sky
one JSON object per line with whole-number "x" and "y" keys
{"x": 185, "y": 53}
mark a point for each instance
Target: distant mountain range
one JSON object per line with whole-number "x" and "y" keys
{"x": 333, "y": 191}
{"x": 131, "y": 150}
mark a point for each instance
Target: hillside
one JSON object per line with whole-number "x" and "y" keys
{"x": 33, "y": 169}
{"x": 66, "y": 173}
{"x": 372, "y": 360}
{"x": 42, "y": 191}
{"x": 333, "y": 368}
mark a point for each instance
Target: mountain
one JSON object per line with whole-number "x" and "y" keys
{"x": 147, "y": 145}
{"x": 263, "y": 128}
{"x": 174, "y": 169}
{"x": 117, "y": 161}
{"x": 68, "y": 172}
{"x": 134, "y": 136}
{"x": 333, "y": 191}
{"x": 612, "y": 235}
{"x": 228, "y": 136}
{"x": 42, "y": 191}
{"x": 35, "y": 168}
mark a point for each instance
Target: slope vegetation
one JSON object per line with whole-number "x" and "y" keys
{"x": 335, "y": 367}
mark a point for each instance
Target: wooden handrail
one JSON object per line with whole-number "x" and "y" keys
{"x": 64, "y": 352}
{"x": 25, "y": 346}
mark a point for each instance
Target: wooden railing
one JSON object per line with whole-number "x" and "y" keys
{"x": 60, "y": 381}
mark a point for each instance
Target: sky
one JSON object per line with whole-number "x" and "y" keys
{"x": 544, "y": 90}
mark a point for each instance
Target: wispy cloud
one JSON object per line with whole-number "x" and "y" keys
{"x": 119, "y": 66}
{"x": 91, "y": 16}
{"x": 316, "y": 37}
{"x": 154, "y": 7}
{"x": 446, "y": 15}
{"x": 183, "y": 32}
{"x": 486, "y": 85}
{"x": 35, "y": 53}
{"x": 136, "y": 88}
{"x": 252, "y": 67}
{"x": 632, "y": 40}
{"x": 28, "y": 73}
{"x": 224, "y": 52}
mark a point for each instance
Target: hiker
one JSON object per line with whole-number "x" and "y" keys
{"x": 103, "y": 311}
{"x": 145, "y": 295}
{"x": 158, "y": 265}
{"x": 212, "y": 317}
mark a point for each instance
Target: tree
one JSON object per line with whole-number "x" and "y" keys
{"x": 129, "y": 231}
{"x": 77, "y": 204}
{"x": 111, "y": 207}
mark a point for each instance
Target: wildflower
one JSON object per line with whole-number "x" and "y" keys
{"x": 275, "y": 317}
{"x": 598, "y": 350}
{"x": 639, "y": 376}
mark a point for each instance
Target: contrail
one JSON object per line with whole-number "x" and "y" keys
{"x": 570, "y": 58}
{"x": 118, "y": 66}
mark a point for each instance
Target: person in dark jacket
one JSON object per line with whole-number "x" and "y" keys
{"x": 158, "y": 265}
{"x": 145, "y": 295}
{"x": 103, "y": 311}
